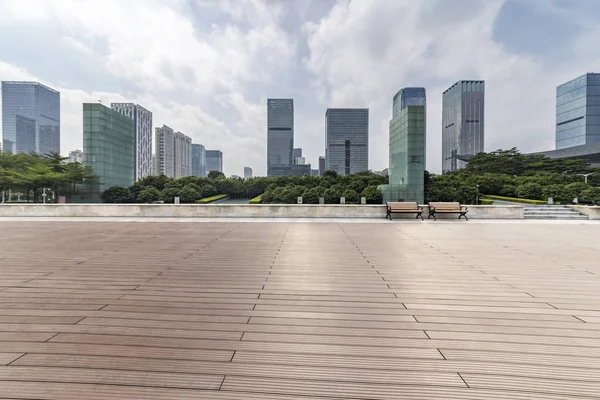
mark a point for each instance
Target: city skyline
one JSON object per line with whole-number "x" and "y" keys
{"x": 301, "y": 50}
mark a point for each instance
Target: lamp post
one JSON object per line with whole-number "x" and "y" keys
{"x": 477, "y": 200}
{"x": 586, "y": 175}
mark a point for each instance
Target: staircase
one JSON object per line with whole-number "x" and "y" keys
{"x": 552, "y": 212}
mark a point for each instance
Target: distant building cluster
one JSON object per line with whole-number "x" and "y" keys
{"x": 118, "y": 140}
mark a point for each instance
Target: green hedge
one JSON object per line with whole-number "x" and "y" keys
{"x": 256, "y": 200}
{"x": 211, "y": 199}
{"x": 486, "y": 202}
{"x": 514, "y": 199}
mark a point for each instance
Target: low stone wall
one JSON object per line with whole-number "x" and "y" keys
{"x": 591, "y": 211}
{"x": 237, "y": 211}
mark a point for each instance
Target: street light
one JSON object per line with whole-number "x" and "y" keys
{"x": 477, "y": 200}
{"x": 586, "y": 175}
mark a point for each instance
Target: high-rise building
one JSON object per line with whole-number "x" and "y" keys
{"x": 30, "y": 118}
{"x": 321, "y": 165}
{"x": 214, "y": 161}
{"x": 182, "y": 155}
{"x": 280, "y": 136}
{"x": 247, "y": 172}
{"x": 578, "y": 111}
{"x": 173, "y": 153}
{"x": 314, "y": 172}
{"x": 347, "y": 140}
{"x": 297, "y": 152}
{"x": 165, "y": 151}
{"x": 198, "y": 160}
{"x": 108, "y": 145}
{"x": 76, "y": 156}
{"x": 462, "y": 123}
{"x": 142, "y": 122}
{"x": 407, "y": 155}
{"x": 411, "y": 96}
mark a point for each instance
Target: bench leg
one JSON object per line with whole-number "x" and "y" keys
{"x": 432, "y": 215}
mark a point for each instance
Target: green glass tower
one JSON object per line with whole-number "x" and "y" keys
{"x": 407, "y": 155}
{"x": 108, "y": 145}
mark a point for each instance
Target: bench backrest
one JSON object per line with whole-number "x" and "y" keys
{"x": 403, "y": 206}
{"x": 445, "y": 205}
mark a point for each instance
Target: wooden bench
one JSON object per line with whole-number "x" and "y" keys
{"x": 404, "y": 208}
{"x": 447, "y": 208}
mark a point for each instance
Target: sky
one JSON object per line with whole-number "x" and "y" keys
{"x": 207, "y": 67}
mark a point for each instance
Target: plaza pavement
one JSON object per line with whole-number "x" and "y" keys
{"x": 293, "y": 310}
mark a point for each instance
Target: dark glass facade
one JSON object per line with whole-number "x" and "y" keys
{"x": 214, "y": 161}
{"x": 578, "y": 111}
{"x": 142, "y": 122}
{"x": 347, "y": 140}
{"x": 30, "y": 118}
{"x": 247, "y": 172}
{"x": 280, "y": 137}
{"x": 108, "y": 145}
{"x": 198, "y": 160}
{"x": 463, "y": 106}
{"x": 321, "y": 165}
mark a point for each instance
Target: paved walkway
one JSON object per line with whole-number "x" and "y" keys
{"x": 297, "y": 311}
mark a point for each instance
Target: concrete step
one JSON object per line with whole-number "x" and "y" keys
{"x": 552, "y": 212}
{"x": 560, "y": 217}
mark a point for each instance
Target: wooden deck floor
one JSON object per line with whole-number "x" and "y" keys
{"x": 299, "y": 311}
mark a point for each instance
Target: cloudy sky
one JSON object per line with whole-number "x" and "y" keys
{"x": 206, "y": 67}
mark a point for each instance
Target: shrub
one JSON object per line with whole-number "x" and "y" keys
{"x": 373, "y": 195}
{"x": 332, "y": 196}
{"x": 350, "y": 195}
{"x": 168, "y": 194}
{"x": 118, "y": 194}
{"x": 211, "y": 199}
{"x": 188, "y": 194}
{"x": 513, "y": 199}
{"x": 215, "y": 175}
{"x": 256, "y": 200}
{"x": 149, "y": 195}
{"x": 532, "y": 191}
{"x": 591, "y": 194}
{"x": 311, "y": 196}
{"x": 486, "y": 202}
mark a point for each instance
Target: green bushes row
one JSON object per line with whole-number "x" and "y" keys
{"x": 289, "y": 194}
{"x": 512, "y": 199}
{"x": 211, "y": 199}
{"x": 256, "y": 200}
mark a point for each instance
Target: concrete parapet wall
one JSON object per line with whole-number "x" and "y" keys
{"x": 237, "y": 211}
{"x": 591, "y": 211}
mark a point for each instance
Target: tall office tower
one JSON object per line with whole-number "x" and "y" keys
{"x": 462, "y": 123}
{"x": 280, "y": 136}
{"x": 321, "y": 165}
{"x": 76, "y": 156}
{"x": 247, "y": 172}
{"x": 411, "y": 96}
{"x": 165, "y": 151}
{"x": 296, "y": 153}
{"x": 578, "y": 111}
{"x": 314, "y": 172}
{"x": 30, "y": 118}
{"x": 142, "y": 122}
{"x": 198, "y": 160}
{"x": 182, "y": 155}
{"x": 214, "y": 161}
{"x": 347, "y": 140}
{"x": 407, "y": 155}
{"x": 108, "y": 145}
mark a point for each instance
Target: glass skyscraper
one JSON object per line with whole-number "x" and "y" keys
{"x": 280, "y": 137}
{"x": 198, "y": 160}
{"x": 347, "y": 140}
{"x": 247, "y": 172}
{"x": 165, "y": 151}
{"x": 214, "y": 161}
{"x": 30, "y": 118}
{"x": 142, "y": 122}
{"x": 108, "y": 145}
{"x": 462, "y": 123}
{"x": 578, "y": 111}
{"x": 411, "y": 96}
{"x": 321, "y": 165}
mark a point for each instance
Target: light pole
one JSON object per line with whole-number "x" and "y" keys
{"x": 586, "y": 175}
{"x": 477, "y": 200}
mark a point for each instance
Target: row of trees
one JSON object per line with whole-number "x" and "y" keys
{"x": 285, "y": 189}
{"x": 512, "y": 174}
{"x": 29, "y": 174}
